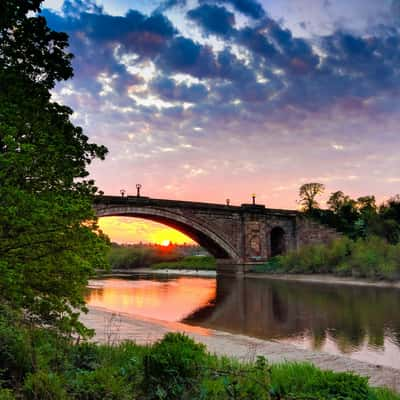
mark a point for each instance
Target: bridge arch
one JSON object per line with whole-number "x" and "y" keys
{"x": 192, "y": 227}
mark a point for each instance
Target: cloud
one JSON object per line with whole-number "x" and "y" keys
{"x": 168, "y": 4}
{"x": 213, "y": 19}
{"x": 251, "y": 8}
{"x": 184, "y": 55}
{"x": 169, "y": 90}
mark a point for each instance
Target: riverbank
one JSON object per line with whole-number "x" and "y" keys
{"x": 186, "y": 272}
{"x": 114, "y": 328}
{"x": 328, "y": 279}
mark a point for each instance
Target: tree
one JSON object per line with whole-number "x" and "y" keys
{"x": 337, "y": 200}
{"x": 367, "y": 205}
{"x": 308, "y": 192}
{"x": 49, "y": 239}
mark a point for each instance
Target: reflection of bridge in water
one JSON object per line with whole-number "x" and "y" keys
{"x": 333, "y": 318}
{"x": 237, "y": 236}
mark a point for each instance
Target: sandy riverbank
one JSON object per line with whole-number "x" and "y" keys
{"x": 111, "y": 328}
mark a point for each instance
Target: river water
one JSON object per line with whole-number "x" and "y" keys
{"x": 360, "y": 322}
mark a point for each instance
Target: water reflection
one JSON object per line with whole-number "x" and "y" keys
{"x": 362, "y": 322}
{"x": 167, "y": 300}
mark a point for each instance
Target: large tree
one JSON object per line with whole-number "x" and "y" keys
{"x": 49, "y": 244}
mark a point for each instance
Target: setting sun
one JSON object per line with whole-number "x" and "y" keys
{"x": 165, "y": 242}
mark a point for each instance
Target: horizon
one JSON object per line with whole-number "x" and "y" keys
{"x": 208, "y": 100}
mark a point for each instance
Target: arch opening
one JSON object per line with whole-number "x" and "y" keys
{"x": 129, "y": 231}
{"x": 199, "y": 233}
{"x": 278, "y": 241}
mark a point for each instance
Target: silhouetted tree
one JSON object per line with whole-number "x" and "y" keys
{"x": 308, "y": 192}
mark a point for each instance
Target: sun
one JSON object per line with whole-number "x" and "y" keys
{"x": 165, "y": 243}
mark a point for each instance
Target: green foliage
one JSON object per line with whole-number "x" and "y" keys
{"x": 6, "y": 394}
{"x": 191, "y": 262}
{"x": 85, "y": 356}
{"x": 304, "y": 381}
{"x": 48, "y": 241}
{"x": 371, "y": 258}
{"x": 16, "y": 350}
{"x": 43, "y": 385}
{"x": 104, "y": 383}
{"x": 227, "y": 379}
{"x": 173, "y": 366}
{"x": 362, "y": 217}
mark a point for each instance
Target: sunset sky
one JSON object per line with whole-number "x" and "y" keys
{"x": 209, "y": 99}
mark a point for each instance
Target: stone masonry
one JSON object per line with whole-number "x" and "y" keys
{"x": 238, "y": 236}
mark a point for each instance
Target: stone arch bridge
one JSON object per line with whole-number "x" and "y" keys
{"x": 237, "y": 236}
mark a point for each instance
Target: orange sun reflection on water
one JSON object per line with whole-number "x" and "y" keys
{"x": 169, "y": 301}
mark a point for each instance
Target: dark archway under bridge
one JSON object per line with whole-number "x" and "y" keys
{"x": 237, "y": 236}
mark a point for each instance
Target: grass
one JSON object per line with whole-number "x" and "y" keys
{"x": 372, "y": 258}
{"x": 56, "y": 368}
{"x": 190, "y": 263}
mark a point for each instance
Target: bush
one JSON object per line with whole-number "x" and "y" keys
{"x": 173, "y": 366}
{"x": 231, "y": 380}
{"x": 43, "y": 385}
{"x": 104, "y": 383}
{"x": 85, "y": 356}
{"x": 372, "y": 257}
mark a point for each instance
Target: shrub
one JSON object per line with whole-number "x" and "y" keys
{"x": 232, "y": 380}
{"x": 43, "y": 385}
{"x": 85, "y": 356}
{"x": 172, "y": 366}
{"x": 104, "y": 383}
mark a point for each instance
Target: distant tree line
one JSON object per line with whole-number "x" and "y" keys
{"x": 356, "y": 218}
{"x": 142, "y": 255}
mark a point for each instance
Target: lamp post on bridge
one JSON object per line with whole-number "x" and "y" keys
{"x": 254, "y": 199}
{"x": 228, "y": 202}
{"x": 122, "y": 191}
{"x": 138, "y": 187}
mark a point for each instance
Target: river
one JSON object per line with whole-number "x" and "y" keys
{"x": 362, "y": 323}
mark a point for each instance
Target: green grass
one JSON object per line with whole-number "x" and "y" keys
{"x": 372, "y": 258}
{"x": 190, "y": 263}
